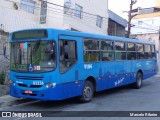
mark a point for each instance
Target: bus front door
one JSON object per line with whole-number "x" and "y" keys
{"x": 68, "y": 65}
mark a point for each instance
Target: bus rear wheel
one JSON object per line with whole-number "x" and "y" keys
{"x": 87, "y": 93}
{"x": 138, "y": 82}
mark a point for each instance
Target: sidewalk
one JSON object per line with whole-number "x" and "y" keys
{"x": 157, "y": 75}
{"x": 4, "y": 90}
{"x": 7, "y": 98}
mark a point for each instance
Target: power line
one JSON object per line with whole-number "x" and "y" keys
{"x": 75, "y": 10}
{"x": 58, "y": 13}
{"x": 62, "y": 7}
{"x": 86, "y": 17}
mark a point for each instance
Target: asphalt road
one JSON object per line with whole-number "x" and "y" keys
{"x": 120, "y": 99}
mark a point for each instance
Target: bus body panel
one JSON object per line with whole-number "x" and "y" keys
{"x": 109, "y": 74}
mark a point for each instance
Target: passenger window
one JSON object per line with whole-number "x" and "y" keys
{"x": 131, "y": 51}
{"x": 153, "y": 51}
{"x": 107, "y": 45}
{"x": 68, "y": 54}
{"x": 91, "y": 50}
{"x": 120, "y": 51}
{"x": 107, "y": 50}
{"x": 148, "y": 53}
{"x": 140, "y": 51}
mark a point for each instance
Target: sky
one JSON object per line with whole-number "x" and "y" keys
{"x": 118, "y": 6}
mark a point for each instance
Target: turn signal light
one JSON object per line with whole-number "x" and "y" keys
{"x": 51, "y": 85}
{"x": 10, "y": 82}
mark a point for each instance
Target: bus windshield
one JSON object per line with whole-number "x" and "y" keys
{"x": 34, "y": 56}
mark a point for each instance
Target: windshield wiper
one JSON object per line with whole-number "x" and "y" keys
{"x": 35, "y": 48}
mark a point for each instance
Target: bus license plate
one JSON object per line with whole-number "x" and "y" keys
{"x": 28, "y": 92}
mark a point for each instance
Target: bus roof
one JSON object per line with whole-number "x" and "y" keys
{"x": 91, "y": 35}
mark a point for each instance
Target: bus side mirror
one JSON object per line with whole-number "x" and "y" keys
{"x": 6, "y": 50}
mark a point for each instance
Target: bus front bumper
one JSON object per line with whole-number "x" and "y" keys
{"x": 54, "y": 93}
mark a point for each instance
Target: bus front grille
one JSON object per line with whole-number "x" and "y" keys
{"x": 31, "y": 86}
{"x": 22, "y": 85}
{"x": 35, "y": 86}
{"x": 29, "y": 77}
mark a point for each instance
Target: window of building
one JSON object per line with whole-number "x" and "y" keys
{"x": 28, "y": 6}
{"x": 99, "y": 21}
{"x": 107, "y": 50}
{"x": 140, "y": 51}
{"x": 120, "y": 51}
{"x": 131, "y": 51}
{"x": 91, "y": 50}
{"x": 78, "y": 11}
{"x": 43, "y": 13}
{"x": 140, "y": 22}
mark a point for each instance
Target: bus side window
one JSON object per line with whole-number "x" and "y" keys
{"x": 107, "y": 50}
{"x": 140, "y": 51}
{"x": 91, "y": 50}
{"x": 131, "y": 51}
{"x": 148, "y": 52}
{"x": 68, "y": 54}
{"x": 153, "y": 51}
{"x": 120, "y": 50}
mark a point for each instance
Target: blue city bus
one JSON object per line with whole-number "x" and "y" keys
{"x": 52, "y": 64}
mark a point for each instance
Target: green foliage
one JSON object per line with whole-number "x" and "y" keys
{"x": 2, "y": 78}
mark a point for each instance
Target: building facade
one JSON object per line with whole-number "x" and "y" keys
{"x": 116, "y": 25}
{"x": 81, "y": 15}
{"x": 146, "y": 25}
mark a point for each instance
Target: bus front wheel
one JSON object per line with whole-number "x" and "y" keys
{"x": 138, "y": 82}
{"x": 87, "y": 93}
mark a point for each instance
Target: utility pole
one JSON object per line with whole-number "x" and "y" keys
{"x": 130, "y": 17}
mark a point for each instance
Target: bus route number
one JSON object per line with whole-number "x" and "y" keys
{"x": 87, "y": 66}
{"x": 38, "y": 83}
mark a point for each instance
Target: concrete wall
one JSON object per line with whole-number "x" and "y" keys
{"x": 157, "y": 3}
{"x": 15, "y": 19}
{"x": 4, "y": 63}
{"x": 149, "y": 36}
{"x": 55, "y": 14}
{"x": 148, "y": 25}
{"x": 88, "y": 22}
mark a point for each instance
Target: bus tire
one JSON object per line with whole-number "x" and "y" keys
{"x": 138, "y": 82}
{"x": 87, "y": 93}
